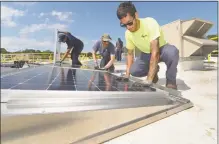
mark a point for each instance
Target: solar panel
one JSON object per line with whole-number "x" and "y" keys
{"x": 71, "y": 105}
{"x": 63, "y": 78}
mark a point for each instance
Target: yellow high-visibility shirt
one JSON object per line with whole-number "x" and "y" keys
{"x": 149, "y": 30}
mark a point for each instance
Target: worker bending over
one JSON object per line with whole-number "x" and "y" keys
{"x": 147, "y": 36}
{"x": 74, "y": 45}
{"x": 107, "y": 51}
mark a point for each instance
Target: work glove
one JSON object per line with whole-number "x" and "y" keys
{"x": 103, "y": 69}
{"x": 143, "y": 83}
{"x": 96, "y": 67}
{"x": 59, "y": 62}
{"x": 122, "y": 78}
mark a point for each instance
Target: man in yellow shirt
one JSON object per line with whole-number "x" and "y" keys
{"x": 146, "y": 35}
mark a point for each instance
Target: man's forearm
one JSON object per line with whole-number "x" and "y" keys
{"x": 94, "y": 58}
{"x": 64, "y": 57}
{"x": 155, "y": 56}
{"x": 109, "y": 63}
{"x": 153, "y": 65}
{"x": 66, "y": 54}
{"x": 129, "y": 62}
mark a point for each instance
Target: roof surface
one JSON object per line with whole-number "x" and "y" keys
{"x": 197, "y": 125}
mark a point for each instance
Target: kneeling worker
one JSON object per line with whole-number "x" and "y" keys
{"x": 107, "y": 51}
{"x": 74, "y": 44}
{"x": 147, "y": 35}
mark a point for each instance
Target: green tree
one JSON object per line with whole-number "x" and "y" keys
{"x": 212, "y": 36}
{"x": 38, "y": 51}
{"x": 89, "y": 54}
{"x": 3, "y": 50}
{"x": 47, "y": 51}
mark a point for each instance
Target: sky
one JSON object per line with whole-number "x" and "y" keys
{"x": 31, "y": 24}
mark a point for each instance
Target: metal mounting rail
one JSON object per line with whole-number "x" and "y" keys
{"x": 42, "y": 102}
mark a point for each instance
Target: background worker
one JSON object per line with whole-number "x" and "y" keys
{"x": 148, "y": 37}
{"x": 119, "y": 46}
{"x": 107, "y": 51}
{"x": 74, "y": 45}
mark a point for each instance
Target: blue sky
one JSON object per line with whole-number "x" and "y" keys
{"x": 31, "y": 24}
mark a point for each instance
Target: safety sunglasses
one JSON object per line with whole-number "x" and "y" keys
{"x": 128, "y": 24}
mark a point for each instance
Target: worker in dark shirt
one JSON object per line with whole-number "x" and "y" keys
{"x": 119, "y": 46}
{"x": 74, "y": 44}
{"x": 107, "y": 51}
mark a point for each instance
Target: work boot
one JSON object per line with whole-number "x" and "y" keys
{"x": 156, "y": 78}
{"x": 172, "y": 86}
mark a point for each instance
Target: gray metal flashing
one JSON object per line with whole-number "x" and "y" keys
{"x": 41, "y": 102}
{"x": 200, "y": 41}
{"x": 129, "y": 126}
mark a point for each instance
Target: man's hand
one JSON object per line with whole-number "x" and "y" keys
{"x": 96, "y": 63}
{"x": 98, "y": 68}
{"x": 143, "y": 83}
{"x": 103, "y": 69}
{"x": 123, "y": 78}
{"x": 59, "y": 62}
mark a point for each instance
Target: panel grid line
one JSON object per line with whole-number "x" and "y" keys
{"x": 115, "y": 88}
{"x": 14, "y": 73}
{"x": 26, "y": 80}
{"x": 53, "y": 80}
{"x": 74, "y": 80}
{"x": 91, "y": 82}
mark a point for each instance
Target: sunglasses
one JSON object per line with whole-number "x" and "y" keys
{"x": 128, "y": 24}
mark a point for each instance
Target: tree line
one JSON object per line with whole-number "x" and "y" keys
{"x": 4, "y": 51}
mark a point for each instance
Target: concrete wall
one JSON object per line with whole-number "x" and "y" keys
{"x": 172, "y": 34}
{"x": 188, "y": 37}
{"x": 186, "y": 25}
{"x": 204, "y": 50}
{"x": 189, "y": 47}
{"x": 196, "y": 28}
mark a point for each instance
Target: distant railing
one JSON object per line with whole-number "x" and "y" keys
{"x": 215, "y": 52}
{"x": 38, "y": 57}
